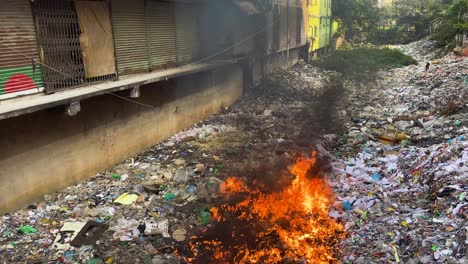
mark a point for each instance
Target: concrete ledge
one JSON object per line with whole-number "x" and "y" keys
{"x": 32, "y": 103}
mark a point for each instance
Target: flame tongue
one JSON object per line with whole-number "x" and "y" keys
{"x": 288, "y": 226}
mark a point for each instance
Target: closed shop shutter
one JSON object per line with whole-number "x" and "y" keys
{"x": 276, "y": 29}
{"x": 130, "y": 36}
{"x": 18, "y": 72}
{"x": 188, "y": 33}
{"x": 292, "y": 25}
{"x": 162, "y": 33}
{"x": 299, "y": 26}
{"x": 283, "y": 28}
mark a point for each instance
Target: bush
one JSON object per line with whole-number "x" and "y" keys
{"x": 363, "y": 63}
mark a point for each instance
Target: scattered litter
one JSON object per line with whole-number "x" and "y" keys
{"x": 179, "y": 235}
{"x": 410, "y": 140}
{"x": 27, "y": 229}
{"x": 89, "y": 234}
{"x": 347, "y": 206}
{"x": 153, "y": 188}
{"x": 169, "y": 196}
{"x": 159, "y": 227}
{"x": 124, "y": 177}
{"x": 67, "y": 234}
{"x": 126, "y": 199}
{"x": 205, "y": 217}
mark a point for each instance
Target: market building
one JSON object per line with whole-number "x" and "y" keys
{"x": 85, "y": 84}
{"x": 320, "y": 25}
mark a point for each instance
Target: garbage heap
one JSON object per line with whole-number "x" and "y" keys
{"x": 148, "y": 208}
{"x": 401, "y": 175}
{"x": 398, "y": 147}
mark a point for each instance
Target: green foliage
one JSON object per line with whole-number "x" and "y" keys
{"x": 445, "y": 34}
{"x": 341, "y": 28}
{"x": 401, "y": 22}
{"x": 358, "y": 16}
{"x": 452, "y": 23}
{"x": 392, "y": 35}
{"x": 363, "y": 63}
{"x": 461, "y": 27}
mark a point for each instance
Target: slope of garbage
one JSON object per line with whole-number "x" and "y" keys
{"x": 402, "y": 178}
{"x": 395, "y": 151}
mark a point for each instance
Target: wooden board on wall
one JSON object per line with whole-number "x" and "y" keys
{"x": 96, "y": 38}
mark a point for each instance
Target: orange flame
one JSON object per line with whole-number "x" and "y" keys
{"x": 297, "y": 217}
{"x": 233, "y": 185}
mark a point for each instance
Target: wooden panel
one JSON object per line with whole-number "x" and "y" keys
{"x": 96, "y": 38}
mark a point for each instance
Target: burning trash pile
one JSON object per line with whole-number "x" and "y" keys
{"x": 402, "y": 179}
{"x": 291, "y": 225}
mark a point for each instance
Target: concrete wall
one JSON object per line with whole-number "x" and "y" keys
{"x": 46, "y": 151}
{"x": 276, "y": 60}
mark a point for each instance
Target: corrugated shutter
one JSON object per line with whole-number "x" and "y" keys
{"x": 130, "y": 36}
{"x": 301, "y": 25}
{"x": 292, "y": 25}
{"x": 276, "y": 28}
{"x": 17, "y": 30}
{"x": 188, "y": 32}
{"x": 18, "y": 72}
{"x": 162, "y": 33}
{"x": 283, "y": 31}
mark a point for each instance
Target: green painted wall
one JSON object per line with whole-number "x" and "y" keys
{"x": 319, "y": 19}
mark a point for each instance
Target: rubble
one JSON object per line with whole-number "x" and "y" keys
{"x": 397, "y": 147}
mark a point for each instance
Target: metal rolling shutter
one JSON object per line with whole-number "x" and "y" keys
{"x": 188, "y": 35}
{"x": 292, "y": 25}
{"x": 161, "y": 33}
{"x": 130, "y": 36}
{"x": 283, "y": 28}
{"x": 276, "y": 29}
{"x": 18, "y": 72}
{"x": 300, "y": 26}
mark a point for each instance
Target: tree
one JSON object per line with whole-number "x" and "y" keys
{"x": 358, "y": 16}
{"x": 452, "y": 24}
{"x": 400, "y": 21}
{"x": 417, "y": 16}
